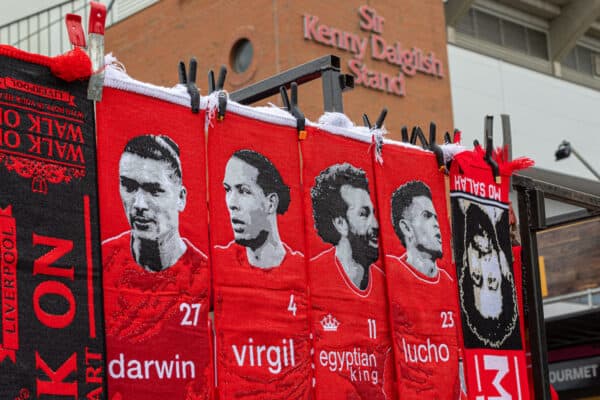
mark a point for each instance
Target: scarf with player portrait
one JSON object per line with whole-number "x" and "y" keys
{"x": 349, "y": 315}
{"x": 488, "y": 299}
{"x": 51, "y": 328}
{"x": 421, "y": 281}
{"x": 152, "y": 185}
{"x": 257, "y": 250}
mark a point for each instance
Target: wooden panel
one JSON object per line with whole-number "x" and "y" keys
{"x": 572, "y": 256}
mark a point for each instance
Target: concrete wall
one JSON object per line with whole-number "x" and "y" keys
{"x": 543, "y": 110}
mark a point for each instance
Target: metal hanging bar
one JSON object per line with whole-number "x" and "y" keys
{"x": 327, "y": 68}
{"x": 532, "y": 219}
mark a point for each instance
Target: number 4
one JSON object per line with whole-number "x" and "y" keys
{"x": 292, "y": 306}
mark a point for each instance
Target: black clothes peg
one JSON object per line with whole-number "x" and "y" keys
{"x": 378, "y": 123}
{"x": 220, "y": 81}
{"x": 222, "y": 96}
{"x": 489, "y": 147}
{"x": 190, "y": 83}
{"x": 447, "y": 138}
{"x": 291, "y": 105}
{"x": 437, "y": 150}
{"x": 404, "y": 132}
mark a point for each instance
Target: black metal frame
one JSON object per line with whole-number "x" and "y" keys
{"x": 327, "y": 68}
{"x": 531, "y": 193}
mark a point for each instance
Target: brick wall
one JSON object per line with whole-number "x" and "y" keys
{"x": 152, "y": 42}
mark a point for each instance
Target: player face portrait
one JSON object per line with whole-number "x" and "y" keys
{"x": 362, "y": 226}
{"x": 247, "y": 203}
{"x": 486, "y": 284}
{"x": 421, "y": 221}
{"x": 484, "y": 268}
{"x": 152, "y": 195}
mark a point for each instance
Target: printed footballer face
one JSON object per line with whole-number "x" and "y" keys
{"x": 152, "y": 195}
{"x": 423, "y": 226}
{"x": 249, "y": 208}
{"x": 363, "y": 228}
{"x": 484, "y": 267}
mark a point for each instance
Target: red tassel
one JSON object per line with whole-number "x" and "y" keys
{"x": 516, "y": 165}
{"x": 72, "y": 65}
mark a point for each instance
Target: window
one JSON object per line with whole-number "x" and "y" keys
{"x": 505, "y": 33}
{"x": 582, "y": 59}
{"x": 241, "y": 55}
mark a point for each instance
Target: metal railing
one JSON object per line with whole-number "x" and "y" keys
{"x": 44, "y": 32}
{"x": 588, "y": 297}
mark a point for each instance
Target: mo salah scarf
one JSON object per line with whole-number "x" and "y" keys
{"x": 349, "y": 316}
{"x": 259, "y": 270}
{"x": 152, "y": 185}
{"x": 421, "y": 281}
{"x": 489, "y": 304}
{"x": 51, "y": 340}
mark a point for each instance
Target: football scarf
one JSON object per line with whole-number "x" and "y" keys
{"x": 51, "y": 330}
{"x": 422, "y": 290}
{"x": 259, "y": 270}
{"x": 349, "y": 317}
{"x": 494, "y": 354}
{"x": 154, "y": 242}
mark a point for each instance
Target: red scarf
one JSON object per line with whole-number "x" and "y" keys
{"x": 490, "y": 306}
{"x": 158, "y": 342}
{"x": 350, "y": 326}
{"x": 259, "y": 270}
{"x": 421, "y": 279}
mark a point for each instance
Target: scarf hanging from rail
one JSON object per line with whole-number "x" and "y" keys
{"x": 422, "y": 290}
{"x": 51, "y": 329}
{"x": 486, "y": 280}
{"x": 352, "y": 346}
{"x": 259, "y": 271}
{"x": 152, "y": 185}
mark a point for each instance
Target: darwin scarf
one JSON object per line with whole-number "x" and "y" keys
{"x": 152, "y": 185}
{"x": 51, "y": 329}
{"x": 487, "y": 288}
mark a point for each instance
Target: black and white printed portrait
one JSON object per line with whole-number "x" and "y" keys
{"x": 416, "y": 224}
{"x": 255, "y": 194}
{"x": 344, "y": 217}
{"x": 486, "y": 281}
{"x": 153, "y": 195}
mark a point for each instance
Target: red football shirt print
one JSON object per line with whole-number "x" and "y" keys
{"x": 260, "y": 286}
{"x": 422, "y": 289}
{"x": 155, "y": 242}
{"x": 349, "y": 316}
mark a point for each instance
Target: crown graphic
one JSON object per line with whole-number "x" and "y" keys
{"x": 329, "y": 323}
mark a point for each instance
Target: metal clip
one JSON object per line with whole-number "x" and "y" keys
{"x": 96, "y": 49}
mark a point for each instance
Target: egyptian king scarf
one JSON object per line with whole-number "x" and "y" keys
{"x": 488, "y": 300}
{"x": 51, "y": 331}
{"x": 259, "y": 269}
{"x": 349, "y": 316}
{"x": 422, "y": 291}
{"x": 154, "y": 241}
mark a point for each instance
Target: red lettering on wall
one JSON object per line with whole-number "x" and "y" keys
{"x": 369, "y": 20}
